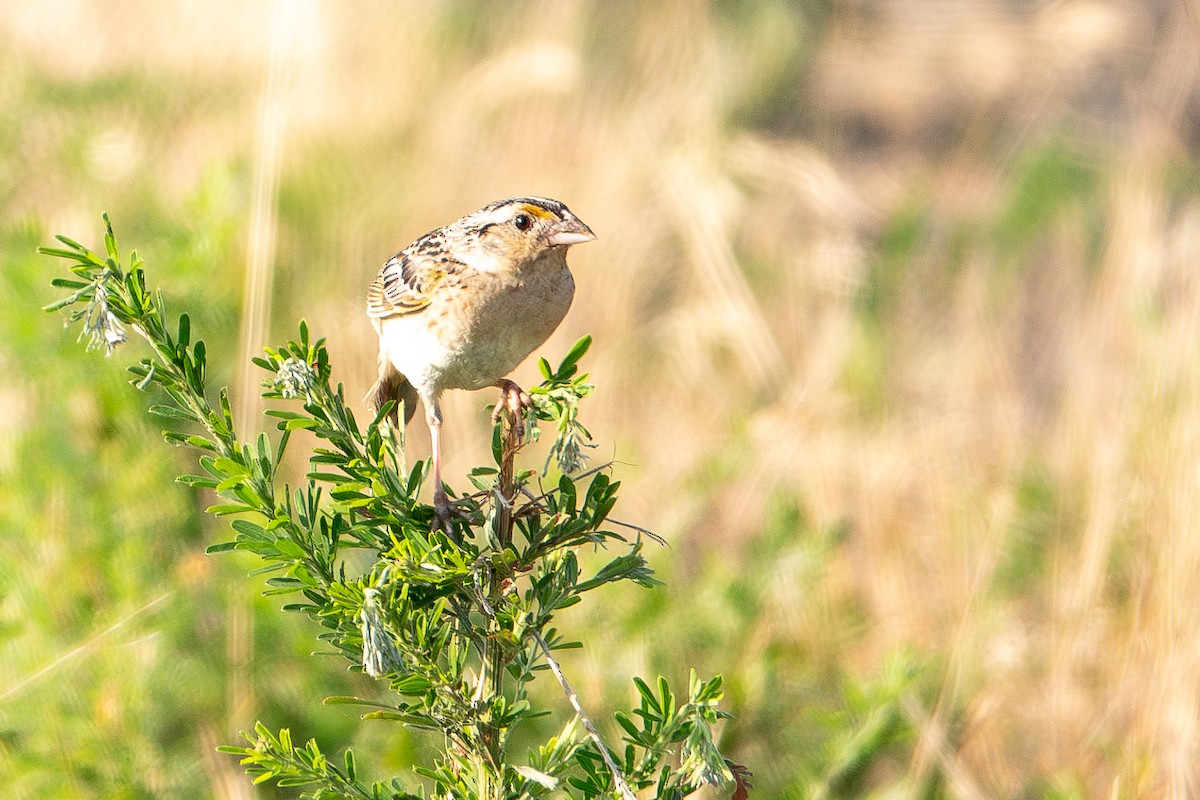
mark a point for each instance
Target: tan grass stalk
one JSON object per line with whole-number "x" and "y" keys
{"x": 260, "y": 269}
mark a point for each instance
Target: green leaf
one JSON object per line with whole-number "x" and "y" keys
{"x": 63, "y": 303}
{"x": 412, "y": 685}
{"x": 250, "y": 530}
{"x": 647, "y": 694}
{"x": 538, "y": 777}
{"x": 110, "y": 241}
{"x": 290, "y": 548}
{"x": 576, "y": 352}
{"x": 566, "y": 488}
{"x": 413, "y": 720}
{"x": 171, "y": 412}
{"x": 284, "y": 413}
{"x": 145, "y": 381}
{"x": 58, "y": 252}
{"x": 346, "y": 700}
{"x": 199, "y": 354}
{"x": 234, "y": 750}
{"x": 349, "y": 491}
{"x": 197, "y": 481}
{"x": 227, "y": 466}
{"x": 497, "y": 445}
{"x": 667, "y": 698}
{"x": 283, "y": 586}
{"x": 328, "y": 477}
{"x": 220, "y": 509}
{"x": 625, "y": 722}
{"x": 185, "y": 330}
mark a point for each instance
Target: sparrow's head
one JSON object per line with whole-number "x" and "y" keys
{"x": 515, "y": 232}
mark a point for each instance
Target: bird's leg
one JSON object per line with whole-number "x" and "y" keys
{"x": 441, "y": 503}
{"x": 516, "y": 400}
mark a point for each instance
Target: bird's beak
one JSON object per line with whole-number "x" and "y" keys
{"x": 570, "y": 231}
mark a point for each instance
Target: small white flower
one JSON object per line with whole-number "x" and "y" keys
{"x": 293, "y": 379}
{"x": 379, "y": 651}
{"x": 101, "y": 325}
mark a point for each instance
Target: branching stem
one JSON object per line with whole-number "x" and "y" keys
{"x": 494, "y": 661}
{"x": 573, "y": 699}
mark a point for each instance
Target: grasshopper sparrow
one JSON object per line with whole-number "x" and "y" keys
{"x": 461, "y": 306}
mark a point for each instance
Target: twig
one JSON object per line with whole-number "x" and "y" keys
{"x": 533, "y": 501}
{"x": 573, "y": 698}
{"x": 84, "y": 646}
{"x": 587, "y": 473}
{"x": 639, "y": 529}
{"x": 506, "y": 490}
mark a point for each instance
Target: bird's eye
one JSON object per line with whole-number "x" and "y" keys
{"x": 523, "y": 222}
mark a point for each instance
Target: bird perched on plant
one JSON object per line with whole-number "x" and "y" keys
{"x": 461, "y": 306}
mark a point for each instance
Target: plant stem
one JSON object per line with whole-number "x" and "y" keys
{"x": 495, "y": 662}
{"x": 506, "y": 486}
{"x": 573, "y": 699}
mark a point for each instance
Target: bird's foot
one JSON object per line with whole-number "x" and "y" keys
{"x": 442, "y": 512}
{"x": 516, "y": 400}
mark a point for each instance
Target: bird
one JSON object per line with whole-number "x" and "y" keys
{"x": 464, "y": 304}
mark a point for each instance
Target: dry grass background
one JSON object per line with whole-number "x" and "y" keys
{"x": 925, "y": 268}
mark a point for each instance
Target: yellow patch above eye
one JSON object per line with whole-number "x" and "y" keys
{"x": 536, "y": 211}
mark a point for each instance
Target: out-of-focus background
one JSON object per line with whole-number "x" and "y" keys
{"x": 896, "y": 317}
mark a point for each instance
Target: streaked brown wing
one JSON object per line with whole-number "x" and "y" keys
{"x": 408, "y": 280}
{"x": 391, "y": 293}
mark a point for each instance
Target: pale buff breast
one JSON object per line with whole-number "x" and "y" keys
{"x": 470, "y": 339}
{"x": 503, "y": 329}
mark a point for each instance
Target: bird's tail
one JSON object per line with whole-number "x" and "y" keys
{"x": 392, "y": 385}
